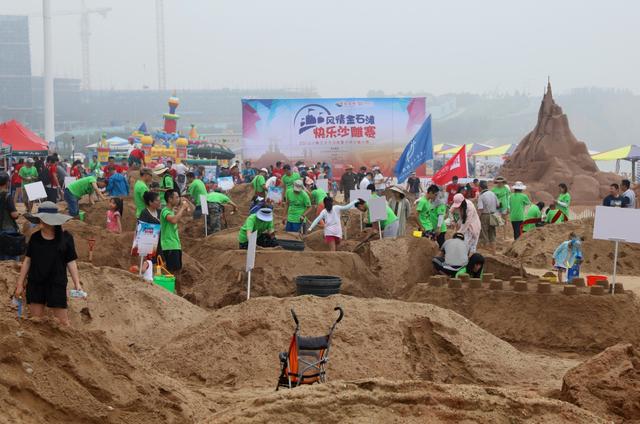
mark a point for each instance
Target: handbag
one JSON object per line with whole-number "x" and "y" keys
{"x": 11, "y": 243}
{"x": 495, "y": 220}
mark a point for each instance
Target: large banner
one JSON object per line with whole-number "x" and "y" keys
{"x": 351, "y": 131}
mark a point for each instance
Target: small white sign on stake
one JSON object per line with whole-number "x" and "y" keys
{"x": 204, "y": 206}
{"x": 225, "y": 183}
{"x": 275, "y": 194}
{"x": 323, "y": 184}
{"x": 377, "y": 209}
{"x": 68, "y": 180}
{"x": 251, "y": 259}
{"x": 360, "y": 194}
{"x": 35, "y": 191}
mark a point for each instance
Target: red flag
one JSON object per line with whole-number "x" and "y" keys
{"x": 456, "y": 167}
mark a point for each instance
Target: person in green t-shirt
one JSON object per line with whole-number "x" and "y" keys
{"x": 29, "y": 174}
{"x": 84, "y": 186}
{"x": 289, "y": 177}
{"x": 94, "y": 166}
{"x": 517, "y": 202}
{"x": 564, "y": 200}
{"x": 262, "y": 222}
{"x": 317, "y": 195}
{"x": 389, "y": 225}
{"x": 423, "y": 208}
{"x": 533, "y": 214}
{"x": 474, "y": 268}
{"x": 502, "y": 192}
{"x": 166, "y": 181}
{"x": 554, "y": 215}
{"x": 140, "y": 188}
{"x": 297, "y": 205}
{"x": 195, "y": 189}
{"x": 215, "y": 204}
{"x": 169, "y": 238}
{"x": 259, "y": 182}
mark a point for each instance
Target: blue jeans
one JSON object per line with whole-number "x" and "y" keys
{"x": 72, "y": 203}
{"x": 293, "y": 227}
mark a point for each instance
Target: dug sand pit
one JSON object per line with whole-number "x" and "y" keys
{"x": 376, "y": 338}
{"x": 550, "y": 154}
{"x": 411, "y": 402}
{"x": 96, "y": 214}
{"x": 536, "y": 247}
{"x": 132, "y": 313}
{"x": 549, "y": 321}
{"x": 54, "y": 375}
{"x": 275, "y": 272}
{"x": 607, "y": 384}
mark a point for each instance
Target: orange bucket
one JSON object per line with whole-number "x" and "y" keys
{"x": 593, "y": 279}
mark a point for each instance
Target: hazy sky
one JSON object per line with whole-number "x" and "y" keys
{"x": 346, "y": 47}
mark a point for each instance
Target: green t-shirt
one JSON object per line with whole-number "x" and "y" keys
{"x": 298, "y": 203}
{"x": 253, "y": 224}
{"x": 517, "y": 202}
{"x": 169, "y": 239}
{"x": 93, "y": 166}
{"x": 288, "y": 180}
{"x": 165, "y": 183}
{"x": 441, "y": 209}
{"x": 318, "y": 195}
{"x": 463, "y": 270}
{"x": 258, "y": 183}
{"x": 82, "y": 186}
{"x": 424, "y": 208}
{"x": 391, "y": 218}
{"x": 564, "y": 198}
{"x": 215, "y": 197}
{"x": 533, "y": 212}
{"x": 139, "y": 189}
{"x": 550, "y": 214}
{"x": 502, "y": 193}
{"x": 28, "y": 174}
{"x": 197, "y": 188}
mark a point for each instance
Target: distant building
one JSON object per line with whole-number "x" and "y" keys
{"x": 15, "y": 68}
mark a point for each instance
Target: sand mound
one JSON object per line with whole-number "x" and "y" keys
{"x": 377, "y": 338}
{"x": 607, "y": 384}
{"x": 382, "y": 401}
{"x": 97, "y": 214}
{"x": 274, "y": 275}
{"x": 550, "y": 154}
{"x": 131, "y": 313}
{"x": 57, "y": 375}
{"x": 536, "y": 247}
{"x": 552, "y": 321}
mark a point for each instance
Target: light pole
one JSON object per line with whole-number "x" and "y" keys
{"x": 49, "y": 117}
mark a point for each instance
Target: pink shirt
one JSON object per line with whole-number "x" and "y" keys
{"x": 112, "y": 222}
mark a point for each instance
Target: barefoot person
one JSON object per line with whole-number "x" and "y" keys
{"x": 50, "y": 254}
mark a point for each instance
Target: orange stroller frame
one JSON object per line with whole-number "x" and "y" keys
{"x": 306, "y": 360}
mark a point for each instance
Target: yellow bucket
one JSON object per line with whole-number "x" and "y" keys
{"x": 417, "y": 233}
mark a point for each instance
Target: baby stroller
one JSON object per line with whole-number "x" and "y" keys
{"x": 307, "y": 357}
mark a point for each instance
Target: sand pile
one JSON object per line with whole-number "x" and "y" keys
{"x": 536, "y": 247}
{"x": 132, "y": 313}
{"x": 382, "y": 401}
{"x": 607, "y": 384}
{"x": 54, "y": 375}
{"x": 377, "y": 338}
{"x": 97, "y": 214}
{"x": 550, "y": 154}
{"x": 274, "y": 275}
{"x": 581, "y": 323}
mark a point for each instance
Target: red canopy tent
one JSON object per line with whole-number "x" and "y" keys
{"x": 22, "y": 140}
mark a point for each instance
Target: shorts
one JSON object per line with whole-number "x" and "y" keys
{"x": 172, "y": 259}
{"x": 293, "y": 227}
{"x": 52, "y": 295}
{"x": 329, "y": 239}
{"x": 72, "y": 203}
{"x": 487, "y": 231}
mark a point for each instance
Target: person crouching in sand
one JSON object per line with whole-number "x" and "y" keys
{"x": 567, "y": 254}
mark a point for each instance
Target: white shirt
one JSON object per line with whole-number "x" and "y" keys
{"x": 631, "y": 195}
{"x": 180, "y": 168}
{"x": 332, "y": 224}
{"x": 364, "y": 183}
{"x": 378, "y": 180}
{"x": 488, "y": 202}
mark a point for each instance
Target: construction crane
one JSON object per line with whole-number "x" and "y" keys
{"x": 162, "y": 75}
{"x": 85, "y": 35}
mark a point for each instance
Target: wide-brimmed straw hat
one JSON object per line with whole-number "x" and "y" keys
{"x": 48, "y": 213}
{"x": 298, "y": 185}
{"x": 265, "y": 214}
{"x": 499, "y": 180}
{"x": 397, "y": 189}
{"x": 265, "y": 170}
{"x": 519, "y": 185}
{"x": 159, "y": 169}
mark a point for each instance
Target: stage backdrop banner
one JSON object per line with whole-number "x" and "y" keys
{"x": 350, "y": 131}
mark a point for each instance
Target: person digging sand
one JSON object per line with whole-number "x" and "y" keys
{"x": 262, "y": 222}
{"x": 332, "y": 225}
{"x": 50, "y": 254}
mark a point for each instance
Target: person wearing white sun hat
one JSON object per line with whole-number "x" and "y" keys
{"x": 262, "y": 222}
{"x": 517, "y": 202}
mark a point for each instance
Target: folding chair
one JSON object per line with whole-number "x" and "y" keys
{"x": 306, "y": 360}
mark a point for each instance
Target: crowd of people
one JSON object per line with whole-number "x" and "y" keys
{"x": 472, "y": 212}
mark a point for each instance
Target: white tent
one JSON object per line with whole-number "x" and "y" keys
{"x": 114, "y": 143}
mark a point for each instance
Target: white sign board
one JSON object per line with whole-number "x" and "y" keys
{"x": 360, "y": 194}
{"x": 225, "y": 183}
{"x": 35, "y": 191}
{"x": 617, "y": 224}
{"x": 204, "y": 206}
{"x": 275, "y": 194}
{"x": 68, "y": 180}
{"x": 323, "y": 184}
{"x": 377, "y": 209}
{"x": 251, "y": 251}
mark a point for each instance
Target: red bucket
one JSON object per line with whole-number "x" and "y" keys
{"x": 593, "y": 279}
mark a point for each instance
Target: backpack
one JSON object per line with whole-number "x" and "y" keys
{"x": 44, "y": 176}
{"x": 11, "y": 244}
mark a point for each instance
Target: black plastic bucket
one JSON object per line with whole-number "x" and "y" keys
{"x": 291, "y": 245}
{"x": 318, "y": 285}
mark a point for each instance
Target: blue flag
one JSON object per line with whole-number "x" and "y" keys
{"x": 417, "y": 152}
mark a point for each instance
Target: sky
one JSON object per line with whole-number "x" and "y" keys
{"x": 348, "y": 47}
